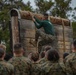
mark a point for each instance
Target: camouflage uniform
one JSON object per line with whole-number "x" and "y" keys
{"x": 46, "y": 39}
{"x": 43, "y": 60}
{"x": 71, "y": 63}
{"x": 54, "y": 68}
{"x": 22, "y": 65}
{"x": 6, "y": 68}
{"x": 36, "y": 70}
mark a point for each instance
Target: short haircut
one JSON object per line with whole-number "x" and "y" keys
{"x": 46, "y": 14}
{"x": 17, "y": 46}
{"x": 74, "y": 43}
{"x": 2, "y": 51}
{"x": 53, "y": 55}
{"x": 35, "y": 56}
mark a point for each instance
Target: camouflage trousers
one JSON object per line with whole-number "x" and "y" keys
{"x": 46, "y": 39}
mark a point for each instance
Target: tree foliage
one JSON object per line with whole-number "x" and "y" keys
{"x": 74, "y": 14}
{"x": 61, "y": 8}
{"x": 43, "y": 5}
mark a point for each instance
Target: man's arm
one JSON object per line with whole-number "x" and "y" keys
{"x": 37, "y": 22}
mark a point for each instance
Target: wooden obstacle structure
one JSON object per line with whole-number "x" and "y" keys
{"x": 23, "y": 29}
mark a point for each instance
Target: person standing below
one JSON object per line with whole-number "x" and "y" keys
{"x": 48, "y": 36}
{"x": 53, "y": 66}
{"x": 44, "y": 59}
{"x": 22, "y": 65}
{"x": 70, "y": 60}
{"x": 5, "y": 67}
{"x": 36, "y": 69}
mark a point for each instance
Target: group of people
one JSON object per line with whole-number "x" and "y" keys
{"x": 47, "y": 62}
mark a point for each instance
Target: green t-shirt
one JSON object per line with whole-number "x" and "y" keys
{"x": 46, "y": 24}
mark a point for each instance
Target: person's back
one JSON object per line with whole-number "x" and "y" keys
{"x": 36, "y": 69}
{"x": 71, "y": 60}
{"x": 43, "y": 60}
{"x": 70, "y": 57}
{"x": 73, "y": 64}
{"x": 22, "y": 65}
{"x": 53, "y": 66}
{"x": 35, "y": 66}
{"x": 5, "y": 68}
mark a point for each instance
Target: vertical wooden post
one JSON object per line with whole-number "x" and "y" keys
{"x": 15, "y": 32}
{"x": 71, "y": 37}
{"x": 63, "y": 36}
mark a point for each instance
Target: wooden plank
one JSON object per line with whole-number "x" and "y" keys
{"x": 54, "y": 20}
{"x": 30, "y": 33}
{"x": 66, "y": 43}
{"x": 15, "y": 30}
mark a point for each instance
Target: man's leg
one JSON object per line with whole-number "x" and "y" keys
{"x": 41, "y": 44}
{"x": 45, "y": 36}
{"x": 40, "y": 33}
{"x": 54, "y": 44}
{"x": 49, "y": 38}
{"x": 37, "y": 35}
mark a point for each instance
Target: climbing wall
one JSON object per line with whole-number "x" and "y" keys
{"x": 64, "y": 37}
{"x": 27, "y": 33}
{"x": 24, "y": 31}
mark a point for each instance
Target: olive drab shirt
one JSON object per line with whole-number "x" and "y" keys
{"x": 36, "y": 69}
{"x": 6, "y": 68}
{"x": 71, "y": 63}
{"x": 54, "y": 68}
{"x": 22, "y": 65}
{"x": 43, "y": 60}
{"x": 46, "y": 24}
